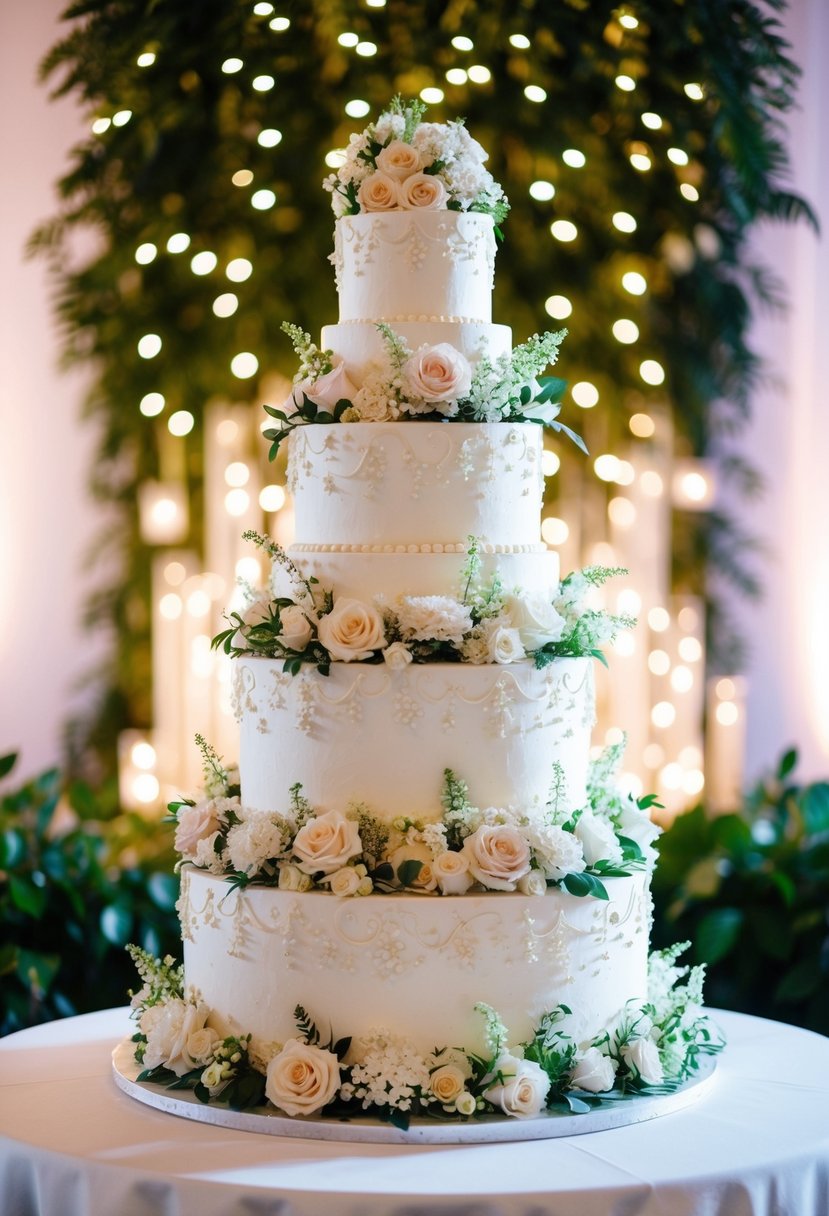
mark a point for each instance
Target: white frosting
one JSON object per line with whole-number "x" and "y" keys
{"x": 367, "y": 733}
{"x": 380, "y": 483}
{"x": 365, "y": 575}
{"x": 398, "y": 265}
{"x": 413, "y": 964}
{"x": 358, "y": 343}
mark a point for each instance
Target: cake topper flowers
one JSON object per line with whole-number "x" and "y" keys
{"x": 400, "y": 163}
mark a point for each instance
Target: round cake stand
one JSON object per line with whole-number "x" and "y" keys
{"x": 489, "y": 1129}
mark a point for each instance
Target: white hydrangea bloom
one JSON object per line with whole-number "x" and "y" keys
{"x": 433, "y": 618}
{"x": 257, "y": 839}
{"x": 389, "y": 1073}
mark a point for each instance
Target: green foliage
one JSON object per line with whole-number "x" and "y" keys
{"x": 77, "y": 881}
{"x": 751, "y": 889}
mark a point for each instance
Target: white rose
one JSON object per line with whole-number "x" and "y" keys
{"x": 522, "y": 1090}
{"x": 451, "y": 870}
{"x": 169, "y": 1032}
{"x": 642, "y": 1058}
{"x": 291, "y": 878}
{"x": 447, "y": 1084}
{"x": 202, "y": 1043}
{"x": 302, "y": 1079}
{"x": 426, "y": 879}
{"x": 535, "y": 618}
{"x": 465, "y": 1103}
{"x": 256, "y": 613}
{"x": 598, "y": 840}
{"x": 352, "y": 631}
{"x": 638, "y": 826}
{"x": 326, "y": 843}
{"x": 422, "y": 191}
{"x": 296, "y": 628}
{"x": 534, "y": 883}
{"x": 399, "y": 160}
{"x": 379, "y": 193}
{"x": 499, "y": 856}
{"x": 504, "y": 645}
{"x": 325, "y": 391}
{"x": 213, "y": 1078}
{"x": 345, "y": 882}
{"x": 594, "y": 1073}
{"x": 195, "y": 823}
{"x": 438, "y": 373}
{"x": 397, "y": 656}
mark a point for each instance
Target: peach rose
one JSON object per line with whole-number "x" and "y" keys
{"x": 422, "y": 191}
{"x": 352, "y": 631}
{"x": 498, "y": 856}
{"x": 426, "y": 880}
{"x": 452, "y": 873}
{"x": 438, "y": 373}
{"x": 399, "y": 160}
{"x": 326, "y": 843}
{"x": 195, "y": 823}
{"x": 379, "y": 192}
{"x": 302, "y": 1079}
{"x": 447, "y": 1084}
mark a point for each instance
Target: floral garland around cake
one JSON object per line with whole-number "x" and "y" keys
{"x": 486, "y": 623}
{"x": 400, "y": 163}
{"x": 654, "y": 1046}
{"x": 352, "y": 852}
{"x": 433, "y": 383}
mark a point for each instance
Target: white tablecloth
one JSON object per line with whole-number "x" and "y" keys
{"x": 71, "y": 1144}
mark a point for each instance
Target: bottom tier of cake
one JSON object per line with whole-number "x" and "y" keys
{"x": 413, "y": 965}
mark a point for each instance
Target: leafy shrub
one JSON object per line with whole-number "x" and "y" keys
{"x": 78, "y": 880}
{"x": 751, "y": 891}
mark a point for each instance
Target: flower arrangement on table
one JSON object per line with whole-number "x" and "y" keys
{"x": 654, "y": 1047}
{"x": 486, "y": 623}
{"x": 353, "y": 852}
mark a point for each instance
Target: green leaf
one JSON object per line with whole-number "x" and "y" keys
{"x": 787, "y": 763}
{"x": 116, "y": 924}
{"x": 718, "y": 933}
{"x": 12, "y": 849}
{"x": 163, "y": 890}
{"x": 28, "y": 897}
{"x": 577, "y": 1105}
{"x": 584, "y": 884}
{"x": 8, "y": 959}
{"x": 408, "y": 871}
{"x": 815, "y": 806}
{"x": 7, "y": 763}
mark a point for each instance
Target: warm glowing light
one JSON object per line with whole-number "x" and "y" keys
{"x": 121, "y": 118}
{"x": 653, "y": 755}
{"x": 142, "y": 755}
{"x": 145, "y": 788}
{"x": 682, "y": 679}
{"x": 694, "y": 91}
{"x": 232, "y": 65}
{"x": 376, "y": 3}
{"x": 145, "y": 253}
{"x": 100, "y": 125}
{"x": 269, "y": 138}
{"x": 479, "y": 74}
{"x": 366, "y": 49}
{"x": 348, "y": 39}
{"x": 626, "y": 83}
{"x": 203, "y": 262}
{"x": 280, "y": 24}
{"x": 432, "y": 96}
{"x": 263, "y": 84}
{"x": 520, "y": 41}
{"x": 625, "y": 645}
{"x": 625, "y": 473}
{"x": 606, "y": 466}
{"x": 163, "y": 512}
{"x": 677, "y": 157}
{"x": 146, "y": 59}
{"x": 357, "y": 108}
{"x": 170, "y": 606}
{"x": 181, "y": 423}
{"x": 690, "y": 192}
{"x": 651, "y": 483}
{"x": 694, "y": 487}
{"x": 628, "y": 21}
{"x": 629, "y": 601}
{"x": 671, "y": 776}
{"x": 272, "y": 498}
{"x": 585, "y": 394}
{"x": 263, "y": 8}
{"x": 554, "y": 530}
{"x": 634, "y": 283}
{"x": 244, "y": 365}
{"x": 574, "y": 158}
{"x": 564, "y": 230}
{"x": 651, "y": 120}
{"x": 640, "y": 161}
{"x": 558, "y": 307}
{"x": 659, "y": 662}
{"x": 642, "y": 426}
{"x": 198, "y": 603}
{"x": 663, "y": 714}
{"x": 613, "y": 736}
{"x": 456, "y": 76}
{"x": 237, "y": 473}
{"x": 237, "y": 502}
{"x": 238, "y": 270}
{"x": 248, "y": 568}
{"x": 149, "y": 346}
{"x": 688, "y": 619}
{"x": 151, "y": 404}
{"x": 542, "y": 191}
{"x": 227, "y": 432}
{"x": 693, "y": 781}
{"x": 262, "y": 200}
{"x": 690, "y": 649}
{"x": 659, "y": 619}
{"x": 624, "y": 221}
{"x": 621, "y": 512}
{"x": 178, "y": 242}
{"x": 652, "y": 372}
{"x": 727, "y": 713}
{"x": 226, "y": 304}
{"x": 725, "y": 689}
{"x": 335, "y": 159}
{"x": 174, "y": 574}
{"x": 550, "y": 463}
{"x": 534, "y": 92}
{"x": 461, "y": 43}
{"x": 625, "y": 331}
{"x": 242, "y": 177}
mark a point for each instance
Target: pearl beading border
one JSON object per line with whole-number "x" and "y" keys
{"x": 451, "y": 547}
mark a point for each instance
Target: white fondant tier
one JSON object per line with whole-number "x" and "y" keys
{"x": 366, "y": 575}
{"x": 368, "y": 734}
{"x": 415, "y": 265}
{"x": 380, "y": 483}
{"x": 359, "y": 343}
{"x": 414, "y": 965}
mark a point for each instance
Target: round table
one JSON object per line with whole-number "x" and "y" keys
{"x": 71, "y": 1144}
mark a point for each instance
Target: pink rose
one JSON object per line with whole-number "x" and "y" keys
{"x": 196, "y": 823}
{"x": 438, "y": 373}
{"x": 423, "y": 191}
{"x": 399, "y": 160}
{"x": 327, "y": 843}
{"x": 378, "y": 193}
{"x": 326, "y": 390}
{"x": 498, "y": 856}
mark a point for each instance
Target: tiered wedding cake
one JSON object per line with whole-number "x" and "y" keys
{"x": 418, "y": 855}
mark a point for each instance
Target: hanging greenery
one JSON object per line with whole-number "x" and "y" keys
{"x": 654, "y": 129}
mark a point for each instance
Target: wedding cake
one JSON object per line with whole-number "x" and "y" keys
{"x": 417, "y": 896}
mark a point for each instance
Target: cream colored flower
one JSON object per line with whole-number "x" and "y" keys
{"x": 594, "y": 1073}
{"x": 447, "y": 1084}
{"x": 504, "y": 645}
{"x": 296, "y": 628}
{"x": 426, "y": 879}
{"x": 437, "y": 373}
{"x": 326, "y": 390}
{"x": 522, "y": 1090}
{"x": 291, "y": 878}
{"x": 397, "y": 656}
{"x": 195, "y": 823}
{"x": 378, "y": 193}
{"x": 533, "y": 883}
{"x": 399, "y": 160}
{"x": 345, "y": 882}
{"x": 352, "y": 631}
{"x": 326, "y": 843}
{"x": 465, "y": 1103}
{"x": 202, "y": 1043}
{"x": 432, "y": 618}
{"x": 535, "y": 618}
{"x": 598, "y": 840}
{"x": 498, "y": 855}
{"x": 422, "y": 191}
{"x": 451, "y": 870}
{"x": 302, "y": 1079}
{"x": 169, "y": 1032}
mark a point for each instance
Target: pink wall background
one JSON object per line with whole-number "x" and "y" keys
{"x": 47, "y": 520}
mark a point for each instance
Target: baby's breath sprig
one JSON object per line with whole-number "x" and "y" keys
{"x": 277, "y": 554}
{"x": 313, "y": 362}
{"x": 216, "y": 776}
{"x": 495, "y": 1032}
{"x": 161, "y": 979}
